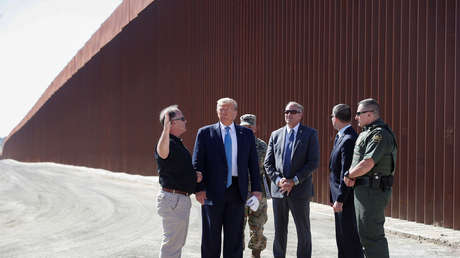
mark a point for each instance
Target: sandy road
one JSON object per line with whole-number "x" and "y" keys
{"x": 52, "y": 210}
{"x": 49, "y": 210}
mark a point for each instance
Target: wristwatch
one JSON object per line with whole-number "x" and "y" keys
{"x": 347, "y": 175}
{"x": 296, "y": 180}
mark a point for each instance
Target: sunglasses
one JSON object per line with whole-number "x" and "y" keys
{"x": 180, "y": 118}
{"x": 291, "y": 111}
{"x": 363, "y": 112}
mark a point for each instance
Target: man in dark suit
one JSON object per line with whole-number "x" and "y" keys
{"x": 225, "y": 152}
{"x": 341, "y": 196}
{"x": 292, "y": 156}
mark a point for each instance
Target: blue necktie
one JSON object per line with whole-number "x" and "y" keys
{"x": 228, "y": 155}
{"x": 287, "y": 154}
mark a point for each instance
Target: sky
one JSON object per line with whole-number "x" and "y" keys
{"x": 37, "y": 40}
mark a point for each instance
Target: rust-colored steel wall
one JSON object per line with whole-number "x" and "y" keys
{"x": 264, "y": 53}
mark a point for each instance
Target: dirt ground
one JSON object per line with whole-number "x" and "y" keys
{"x": 52, "y": 210}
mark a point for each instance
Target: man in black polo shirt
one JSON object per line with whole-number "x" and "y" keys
{"x": 177, "y": 179}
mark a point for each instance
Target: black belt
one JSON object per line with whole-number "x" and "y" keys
{"x": 234, "y": 182}
{"x": 365, "y": 180}
{"x": 175, "y": 191}
{"x": 376, "y": 181}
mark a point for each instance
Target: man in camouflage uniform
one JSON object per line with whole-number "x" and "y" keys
{"x": 371, "y": 173}
{"x": 257, "y": 219}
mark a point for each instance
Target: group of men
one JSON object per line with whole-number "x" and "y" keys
{"x": 229, "y": 165}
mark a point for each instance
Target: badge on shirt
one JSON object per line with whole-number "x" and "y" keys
{"x": 377, "y": 138}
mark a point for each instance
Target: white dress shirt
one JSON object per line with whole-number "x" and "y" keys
{"x": 342, "y": 131}
{"x": 234, "y": 145}
{"x": 286, "y": 140}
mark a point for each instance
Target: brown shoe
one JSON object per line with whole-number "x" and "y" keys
{"x": 255, "y": 253}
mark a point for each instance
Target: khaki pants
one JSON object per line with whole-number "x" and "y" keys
{"x": 174, "y": 210}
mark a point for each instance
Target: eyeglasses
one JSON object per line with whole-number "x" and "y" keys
{"x": 180, "y": 118}
{"x": 363, "y": 112}
{"x": 292, "y": 111}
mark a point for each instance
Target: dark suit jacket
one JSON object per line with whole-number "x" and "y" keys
{"x": 305, "y": 159}
{"x": 209, "y": 158}
{"x": 339, "y": 163}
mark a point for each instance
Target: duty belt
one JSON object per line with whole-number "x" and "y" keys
{"x": 376, "y": 181}
{"x": 365, "y": 180}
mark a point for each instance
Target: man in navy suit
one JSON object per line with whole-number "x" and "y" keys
{"x": 341, "y": 196}
{"x": 292, "y": 156}
{"x": 225, "y": 153}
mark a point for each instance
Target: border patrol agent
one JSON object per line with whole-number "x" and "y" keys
{"x": 257, "y": 219}
{"x": 371, "y": 173}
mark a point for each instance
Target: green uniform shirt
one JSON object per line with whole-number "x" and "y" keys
{"x": 378, "y": 142}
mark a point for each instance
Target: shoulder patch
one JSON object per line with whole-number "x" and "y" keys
{"x": 377, "y": 138}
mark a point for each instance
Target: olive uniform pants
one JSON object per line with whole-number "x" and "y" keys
{"x": 370, "y": 206}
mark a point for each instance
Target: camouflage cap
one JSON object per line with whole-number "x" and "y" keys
{"x": 248, "y": 119}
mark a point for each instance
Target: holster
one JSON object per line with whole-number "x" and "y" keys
{"x": 386, "y": 182}
{"x": 376, "y": 181}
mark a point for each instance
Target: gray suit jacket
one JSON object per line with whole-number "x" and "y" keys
{"x": 305, "y": 159}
